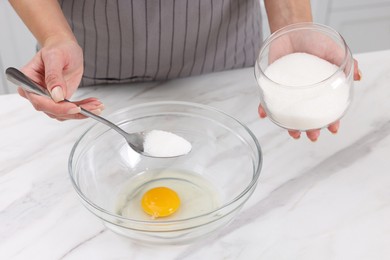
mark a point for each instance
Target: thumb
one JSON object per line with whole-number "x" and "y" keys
{"x": 54, "y": 79}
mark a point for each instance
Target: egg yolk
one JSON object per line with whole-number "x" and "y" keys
{"x": 160, "y": 202}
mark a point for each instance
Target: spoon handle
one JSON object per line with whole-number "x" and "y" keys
{"x": 104, "y": 121}
{"x": 19, "y": 78}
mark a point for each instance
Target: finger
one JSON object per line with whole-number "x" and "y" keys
{"x": 54, "y": 117}
{"x": 34, "y": 69}
{"x": 76, "y": 116}
{"x": 334, "y": 128}
{"x": 50, "y": 115}
{"x": 261, "y": 111}
{"x": 54, "y": 79}
{"x": 91, "y": 104}
{"x": 313, "y": 134}
{"x": 357, "y": 74}
{"x": 294, "y": 134}
{"x": 90, "y": 101}
{"x": 47, "y": 105}
{"x": 22, "y": 92}
{"x": 64, "y": 110}
{"x": 94, "y": 106}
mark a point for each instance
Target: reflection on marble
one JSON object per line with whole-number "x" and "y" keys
{"x": 323, "y": 200}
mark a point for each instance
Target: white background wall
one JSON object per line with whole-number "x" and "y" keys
{"x": 365, "y": 25}
{"x": 17, "y": 45}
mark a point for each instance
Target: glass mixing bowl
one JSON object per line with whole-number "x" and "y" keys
{"x": 295, "y": 105}
{"x": 225, "y": 155}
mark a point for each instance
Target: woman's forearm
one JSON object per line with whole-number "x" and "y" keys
{"x": 44, "y": 18}
{"x": 284, "y": 12}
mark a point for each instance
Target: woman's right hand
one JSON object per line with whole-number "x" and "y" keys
{"x": 58, "y": 66}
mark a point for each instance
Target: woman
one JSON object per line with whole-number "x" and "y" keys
{"x": 94, "y": 42}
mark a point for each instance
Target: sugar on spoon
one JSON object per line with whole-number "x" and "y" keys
{"x": 141, "y": 142}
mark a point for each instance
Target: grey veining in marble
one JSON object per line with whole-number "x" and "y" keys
{"x": 323, "y": 200}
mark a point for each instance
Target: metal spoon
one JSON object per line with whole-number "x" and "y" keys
{"x": 135, "y": 140}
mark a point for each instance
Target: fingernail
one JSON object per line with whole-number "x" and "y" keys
{"x": 332, "y": 130}
{"x": 313, "y": 134}
{"x": 96, "y": 111}
{"x": 314, "y": 139}
{"x": 101, "y": 107}
{"x": 74, "y": 110}
{"x": 360, "y": 74}
{"x": 57, "y": 94}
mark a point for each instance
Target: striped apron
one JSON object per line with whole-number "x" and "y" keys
{"x": 144, "y": 40}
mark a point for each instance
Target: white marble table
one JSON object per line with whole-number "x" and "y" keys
{"x": 323, "y": 200}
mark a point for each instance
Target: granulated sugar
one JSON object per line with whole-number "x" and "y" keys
{"x": 160, "y": 143}
{"x": 293, "y": 103}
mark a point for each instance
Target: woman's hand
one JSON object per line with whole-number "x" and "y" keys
{"x": 58, "y": 66}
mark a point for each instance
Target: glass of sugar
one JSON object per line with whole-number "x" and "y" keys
{"x": 305, "y": 74}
